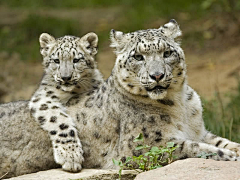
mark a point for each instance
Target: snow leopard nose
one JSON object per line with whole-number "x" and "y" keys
{"x": 157, "y": 76}
{"x": 66, "y": 78}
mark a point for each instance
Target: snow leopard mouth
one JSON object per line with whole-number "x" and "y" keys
{"x": 157, "y": 88}
{"x": 68, "y": 84}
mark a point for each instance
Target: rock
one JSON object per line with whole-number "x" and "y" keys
{"x": 85, "y": 174}
{"x": 195, "y": 168}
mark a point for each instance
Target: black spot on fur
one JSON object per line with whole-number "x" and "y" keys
{"x": 100, "y": 102}
{"x": 54, "y": 97}
{"x": 107, "y": 140}
{"x": 72, "y": 133}
{"x": 68, "y": 141}
{"x": 103, "y": 89}
{"x": 225, "y": 145}
{"x": 190, "y": 95}
{"x": 53, "y": 132}
{"x": 77, "y": 117}
{"x": 3, "y": 114}
{"x": 151, "y": 119}
{"x": 181, "y": 146}
{"x": 220, "y": 153}
{"x": 145, "y": 134}
{"x": 123, "y": 159}
{"x": 50, "y": 92}
{"x": 218, "y": 143}
{"x": 63, "y": 115}
{"x": 194, "y": 112}
{"x": 36, "y": 100}
{"x": 63, "y": 135}
{"x": 55, "y": 107}
{"x": 96, "y": 135}
{"x": 43, "y": 107}
{"x": 104, "y": 154}
{"x": 130, "y": 142}
{"x": 165, "y": 118}
{"x": 63, "y": 126}
{"x": 58, "y": 87}
{"x": 41, "y": 120}
{"x": 89, "y": 102}
{"x": 158, "y": 137}
{"x": 53, "y": 119}
{"x": 32, "y": 111}
{"x": 57, "y": 141}
{"x": 130, "y": 85}
{"x": 167, "y": 102}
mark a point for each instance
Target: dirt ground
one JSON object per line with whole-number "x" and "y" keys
{"x": 207, "y": 73}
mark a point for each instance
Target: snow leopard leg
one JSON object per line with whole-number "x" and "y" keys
{"x": 193, "y": 149}
{"x": 49, "y": 113}
{"x": 221, "y": 142}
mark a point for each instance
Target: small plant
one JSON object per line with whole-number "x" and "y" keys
{"x": 153, "y": 157}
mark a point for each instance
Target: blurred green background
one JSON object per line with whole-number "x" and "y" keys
{"x": 211, "y": 41}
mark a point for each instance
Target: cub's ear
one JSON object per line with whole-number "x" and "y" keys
{"x": 90, "y": 43}
{"x": 46, "y": 41}
{"x": 171, "y": 29}
{"x": 116, "y": 38}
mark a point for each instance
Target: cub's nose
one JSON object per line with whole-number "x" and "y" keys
{"x": 66, "y": 78}
{"x": 157, "y": 76}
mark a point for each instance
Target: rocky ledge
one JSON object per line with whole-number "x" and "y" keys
{"x": 188, "y": 169}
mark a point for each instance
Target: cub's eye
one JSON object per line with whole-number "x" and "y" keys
{"x": 75, "y": 60}
{"x": 56, "y": 61}
{"x": 138, "y": 57}
{"x": 167, "y": 53}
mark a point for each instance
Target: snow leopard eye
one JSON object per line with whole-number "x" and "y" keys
{"x": 138, "y": 57}
{"x": 168, "y": 53}
{"x": 75, "y": 60}
{"x": 56, "y": 61}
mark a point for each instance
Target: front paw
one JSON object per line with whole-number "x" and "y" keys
{"x": 69, "y": 155}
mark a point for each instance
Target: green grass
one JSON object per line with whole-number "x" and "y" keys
{"x": 135, "y": 14}
{"x": 23, "y": 37}
{"x": 223, "y": 119}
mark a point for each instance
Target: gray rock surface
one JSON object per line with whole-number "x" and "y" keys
{"x": 85, "y": 174}
{"x": 188, "y": 169}
{"x": 195, "y": 168}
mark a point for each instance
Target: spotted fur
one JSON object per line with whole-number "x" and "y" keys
{"x": 70, "y": 70}
{"x": 147, "y": 93}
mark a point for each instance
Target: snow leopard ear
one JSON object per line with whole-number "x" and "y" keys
{"x": 90, "y": 43}
{"x": 171, "y": 29}
{"x": 116, "y": 38}
{"x": 46, "y": 40}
